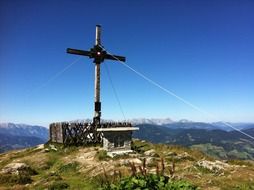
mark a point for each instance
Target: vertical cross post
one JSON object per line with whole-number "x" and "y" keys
{"x": 97, "y": 103}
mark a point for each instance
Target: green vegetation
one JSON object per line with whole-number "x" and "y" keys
{"x": 227, "y": 151}
{"x": 58, "y": 185}
{"x": 102, "y": 155}
{"x": 70, "y": 167}
{"x": 142, "y": 179}
{"x": 21, "y": 178}
{"x": 212, "y": 150}
{"x": 141, "y": 146}
{"x": 237, "y": 154}
{"x": 149, "y": 182}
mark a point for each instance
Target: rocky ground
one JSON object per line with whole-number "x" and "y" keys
{"x": 53, "y": 166}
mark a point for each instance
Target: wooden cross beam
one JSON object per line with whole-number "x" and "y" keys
{"x": 99, "y": 54}
{"x": 96, "y": 53}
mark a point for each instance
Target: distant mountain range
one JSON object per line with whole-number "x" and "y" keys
{"x": 210, "y": 126}
{"x": 16, "y": 136}
{"x": 216, "y": 139}
{"x": 187, "y": 124}
{"x": 215, "y": 142}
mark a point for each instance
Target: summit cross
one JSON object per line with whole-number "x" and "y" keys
{"x": 99, "y": 54}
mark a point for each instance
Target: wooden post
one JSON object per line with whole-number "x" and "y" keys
{"x": 97, "y": 103}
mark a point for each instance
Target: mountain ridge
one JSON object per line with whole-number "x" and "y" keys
{"x": 18, "y": 136}
{"x": 205, "y": 136}
{"x": 24, "y": 130}
{"x": 232, "y": 144}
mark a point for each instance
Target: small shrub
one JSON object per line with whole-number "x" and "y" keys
{"x": 58, "y": 185}
{"x": 140, "y": 147}
{"x": 70, "y": 149}
{"x": 15, "y": 179}
{"x": 204, "y": 170}
{"x": 70, "y": 167}
{"x": 121, "y": 156}
{"x": 102, "y": 155}
{"x": 181, "y": 185}
{"x": 52, "y": 176}
{"x": 213, "y": 171}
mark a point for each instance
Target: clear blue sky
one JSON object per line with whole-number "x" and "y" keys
{"x": 201, "y": 50}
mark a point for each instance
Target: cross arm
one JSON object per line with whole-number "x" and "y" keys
{"x": 115, "y": 57}
{"x": 97, "y": 54}
{"x": 78, "y": 52}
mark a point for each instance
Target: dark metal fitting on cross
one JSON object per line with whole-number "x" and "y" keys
{"x": 97, "y": 106}
{"x": 98, "y": 54}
